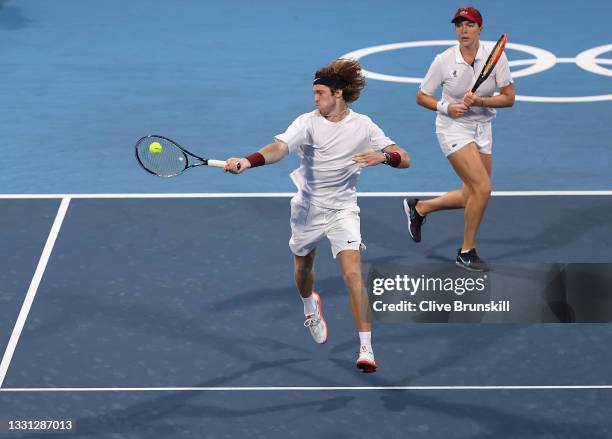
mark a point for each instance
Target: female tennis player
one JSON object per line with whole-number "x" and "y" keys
{"x": 334, "y": 143}
{"x": 463, "y": 128}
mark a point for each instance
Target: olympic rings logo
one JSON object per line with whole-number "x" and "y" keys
{"x": 543, "y": 60}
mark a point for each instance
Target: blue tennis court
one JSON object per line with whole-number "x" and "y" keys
{"x": 143, "y": 307}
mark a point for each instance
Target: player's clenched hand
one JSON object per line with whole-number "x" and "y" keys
{"x": 232, "y": 163}
{"x": 457, "y": 110}
{"x": 470, "y": 98}
{"x": 370, "y": 158}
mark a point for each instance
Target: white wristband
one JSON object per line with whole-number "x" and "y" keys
{"x": 442, "y": 107}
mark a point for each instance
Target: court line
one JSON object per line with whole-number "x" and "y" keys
{"x": 31, "y": 294}
{"x": 291, "y": 388}
{"x": 291, "y": 194}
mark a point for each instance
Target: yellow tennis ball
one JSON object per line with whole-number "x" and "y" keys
{"x": 155, "y": 148}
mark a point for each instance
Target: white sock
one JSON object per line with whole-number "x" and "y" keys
{"x": 365, "y": 338}
{"x": 310, "y": 304}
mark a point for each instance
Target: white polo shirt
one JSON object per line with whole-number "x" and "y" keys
{"x": 327, "y": 175}
{"x": 450, "y": 71}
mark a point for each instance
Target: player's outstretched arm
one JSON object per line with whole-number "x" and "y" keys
{"x": 392, "y": 155}
{"x": 267, "y": 155}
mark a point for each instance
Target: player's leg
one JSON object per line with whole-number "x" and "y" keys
{"x": 304, "y": 273}
{"x": 450, "y": 200}
{"x": 314, "y": 319}
{"x": 454, "y": 199}
{"x": 469, "y": 166}
{"x": 484, "y": 142}
{"x": 344, "y": 234}
{"x": 452, "y": 137}
{"x": 307, "y": 228}
{"x": 350, "y": 264}
{"x": 487, "y": 161}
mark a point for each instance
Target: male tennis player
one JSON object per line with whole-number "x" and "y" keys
{"x": 334, "y": 143}
{"x": 463, "y": 127}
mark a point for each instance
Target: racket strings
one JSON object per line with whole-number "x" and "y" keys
{"x": 170, "y": 161}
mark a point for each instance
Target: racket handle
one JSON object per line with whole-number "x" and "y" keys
{"x": 219, "y": 163}
{"x": 216, "y": 163}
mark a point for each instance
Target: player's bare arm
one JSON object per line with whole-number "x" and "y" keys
{"x": 373, "y": 158}
{"x": 504, "y": 99}
{"x": 269, "y": 154}
{"x": 431, "y": 103}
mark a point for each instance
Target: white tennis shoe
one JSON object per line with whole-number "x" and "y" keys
{"x": 366, "y": 361}
{"x": 316, "y": 322}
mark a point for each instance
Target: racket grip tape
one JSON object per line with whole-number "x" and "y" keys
{"x": 219, "y": 163}
{"x": 216, "y": 163}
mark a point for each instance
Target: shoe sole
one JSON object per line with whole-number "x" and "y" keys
{"x": 407, "y": 212}
{"x": 320, "y": 304}
{"x": 366, "y": 366}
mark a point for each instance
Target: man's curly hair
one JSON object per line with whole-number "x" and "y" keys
{"x": 350, "y": 71}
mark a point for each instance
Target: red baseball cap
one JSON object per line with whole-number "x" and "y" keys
{"x": 468, "y": 13}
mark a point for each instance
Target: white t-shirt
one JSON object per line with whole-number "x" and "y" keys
{"x": 450, "y": 71}
{"x": 327, "y": 175}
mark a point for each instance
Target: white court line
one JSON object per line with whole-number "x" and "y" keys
{"x": 29, "y": 298}
{"x": 290, "y": 389}
{"x": 291, "y": 194}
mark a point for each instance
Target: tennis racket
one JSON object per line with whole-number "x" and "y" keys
{"x": 495, "y": 55}
{"x": 163, "y": 157}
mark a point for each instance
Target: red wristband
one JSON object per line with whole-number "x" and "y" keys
{"x": 394, "y": 159}
{"x": 256, "y": 159}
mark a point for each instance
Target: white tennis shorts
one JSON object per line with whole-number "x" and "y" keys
{"x": 310, "y": 223}
{"x": 454, "y": 135}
